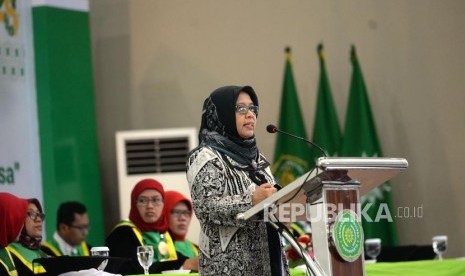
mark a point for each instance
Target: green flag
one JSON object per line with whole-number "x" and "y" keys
{"x": 326, "y": 129}
{"x": 360, "y": 139}
{"x": 291, "y": 157}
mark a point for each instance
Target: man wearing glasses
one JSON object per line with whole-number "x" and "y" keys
{"x": 72, "y": 230}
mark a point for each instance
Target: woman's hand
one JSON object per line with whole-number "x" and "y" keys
{"x": 191, "y": 264}
{"x": 262, "y": 192}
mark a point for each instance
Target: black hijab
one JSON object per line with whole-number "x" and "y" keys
{"x": 25, "y": 239}
{"x": 218, "y": 127}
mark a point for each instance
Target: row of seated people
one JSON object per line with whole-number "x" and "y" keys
{"x": 156, "y": 218}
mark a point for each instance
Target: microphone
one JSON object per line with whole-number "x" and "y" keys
{"x": 273, "y": 129}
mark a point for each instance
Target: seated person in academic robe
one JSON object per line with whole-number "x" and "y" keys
{"x": 178, "y": 210}
{"x": 146, "y": 226}
{"x": 13, "y": 212}
{"x": 27, "y": 248}
{"x": 71, "y": 231}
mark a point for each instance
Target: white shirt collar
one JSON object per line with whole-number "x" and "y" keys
{"x": 65, "y": 248}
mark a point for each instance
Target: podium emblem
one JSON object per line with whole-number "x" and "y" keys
{"x": 347, "y": 235}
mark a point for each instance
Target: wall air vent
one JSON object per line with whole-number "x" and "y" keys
{"x": 157, "y": 155}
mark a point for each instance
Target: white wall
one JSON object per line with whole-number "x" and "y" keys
{"x": 156, "y": 61}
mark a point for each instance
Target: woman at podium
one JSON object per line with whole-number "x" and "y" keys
{"x": 228, "y": 175}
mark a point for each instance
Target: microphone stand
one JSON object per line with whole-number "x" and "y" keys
{"x": 274, "y": 129}
{"x": 314, "y": 267}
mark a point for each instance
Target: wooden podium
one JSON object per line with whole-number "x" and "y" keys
{"x": 329, "y": 197}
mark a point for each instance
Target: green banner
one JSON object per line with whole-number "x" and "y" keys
{"x": 66, "y": 110}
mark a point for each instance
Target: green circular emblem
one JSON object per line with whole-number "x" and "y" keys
{"x": 347, "y": 235}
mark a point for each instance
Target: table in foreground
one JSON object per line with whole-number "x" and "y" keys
{"x": 447, "y": 267}
{"x": 294, "y": 272}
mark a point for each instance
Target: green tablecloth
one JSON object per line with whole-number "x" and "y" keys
{"x": 294, "y": 272}
{"x": 448, "y": 267}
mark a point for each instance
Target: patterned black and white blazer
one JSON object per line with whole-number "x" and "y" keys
{"x": 219, "y": 192}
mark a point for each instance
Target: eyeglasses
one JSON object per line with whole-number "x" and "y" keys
{"x": 243, "y": 109}
{"x": 144, "y": 201}
{"x": 82, "y": 228}
{"x": 35, "y": 215}
{"x": 179, "y": 213}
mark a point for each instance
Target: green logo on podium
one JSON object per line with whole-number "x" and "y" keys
{"x": 347, "y": 235}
